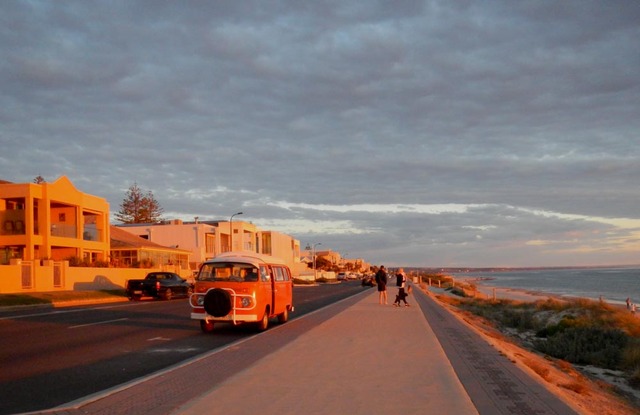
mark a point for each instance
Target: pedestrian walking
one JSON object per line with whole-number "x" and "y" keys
{"x": 401, "y": 282}
{"x": 381, "y": 281}
{"x": 628, "y": 303}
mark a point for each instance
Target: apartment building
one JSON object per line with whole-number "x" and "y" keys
{"x": 52, "y": 221}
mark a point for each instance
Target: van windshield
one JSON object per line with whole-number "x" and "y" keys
{"x": 229, "y": 271}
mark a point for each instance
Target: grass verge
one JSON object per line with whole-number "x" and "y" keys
{"x": 52, "y": 297}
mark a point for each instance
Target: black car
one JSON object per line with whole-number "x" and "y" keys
{"x": 165, "y": 285}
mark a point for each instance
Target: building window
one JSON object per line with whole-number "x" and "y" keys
{"x": 210, "y": 243}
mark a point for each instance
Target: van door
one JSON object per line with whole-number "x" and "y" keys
{"x": 282, "y": 289}
{"x": 268, "y": 294}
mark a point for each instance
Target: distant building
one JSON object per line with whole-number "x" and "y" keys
{"x": 206, "y": 239}
{"x": 335, "y": 259}
{"x": 332, "y": 257}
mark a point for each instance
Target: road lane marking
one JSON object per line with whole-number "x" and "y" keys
{"x": 99, "y": 322}
{"x": 75, "y": 310}
{"x": 178, "y": 350}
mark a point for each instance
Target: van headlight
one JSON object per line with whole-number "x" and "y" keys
{"x": 197, "y": 300}
{"x": 246, "y": 302}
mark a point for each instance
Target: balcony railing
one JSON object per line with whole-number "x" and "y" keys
{"x": 90, "y": 234}
{"x": 12, "y": 227}
{"x": 65, "y": 231}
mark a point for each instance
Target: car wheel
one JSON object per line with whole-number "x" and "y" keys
{"x": 206, "y": 326}
{"x": 284, "y": 316}
{"x": 217, "y": 302}
{"x": 168, "y": 294}
{"x": 264, "y": 323}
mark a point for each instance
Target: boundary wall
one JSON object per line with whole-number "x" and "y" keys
{"x": 43, "y": 276}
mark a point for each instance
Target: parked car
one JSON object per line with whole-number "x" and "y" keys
{"x": 368, "y": 281}
{"x": 165, "y": 285}
{"x": 342, "y": 276}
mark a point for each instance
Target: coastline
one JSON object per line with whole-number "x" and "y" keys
{"x": 521, "y": 294}
{"x": 611, "y": 284}
{"x": 504, "y": 293}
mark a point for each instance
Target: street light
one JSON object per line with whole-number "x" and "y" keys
{"x": 313, "y": 250}
{"x": 231, "y": 231}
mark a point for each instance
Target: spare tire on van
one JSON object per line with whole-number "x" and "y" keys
{"x": 217, "y": 302}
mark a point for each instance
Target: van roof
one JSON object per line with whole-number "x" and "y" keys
{"x": 246, "y": 257}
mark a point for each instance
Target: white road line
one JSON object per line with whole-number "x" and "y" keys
{"x": 95, "y": 324}
{"x": 75, "y": 310}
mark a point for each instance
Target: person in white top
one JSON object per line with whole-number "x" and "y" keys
{"x": 401, "y": 281}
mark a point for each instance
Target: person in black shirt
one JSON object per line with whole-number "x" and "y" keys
{"x": 381, "y": 281}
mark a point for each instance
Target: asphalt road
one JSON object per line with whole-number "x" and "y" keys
{"x": 50, "y": 357}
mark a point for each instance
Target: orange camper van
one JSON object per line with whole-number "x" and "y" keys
{"x": 242, "y": 287}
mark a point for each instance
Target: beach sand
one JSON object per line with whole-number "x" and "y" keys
{"x": 499, "y": 293}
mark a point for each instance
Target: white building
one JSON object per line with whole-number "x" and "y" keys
{"x": 210, "y": 238}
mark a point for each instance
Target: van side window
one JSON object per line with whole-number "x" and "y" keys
{"x": 264, "y": 273}
{"x": 279, "y": 274}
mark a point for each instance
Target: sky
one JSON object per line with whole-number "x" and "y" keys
{"x": 406, "y": 133}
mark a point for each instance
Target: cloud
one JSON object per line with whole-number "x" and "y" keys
{"x": 414, "y": 133}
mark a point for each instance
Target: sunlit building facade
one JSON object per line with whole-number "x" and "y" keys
{"x": 52, "y": 221}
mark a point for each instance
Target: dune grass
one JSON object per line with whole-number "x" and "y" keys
{"x": 579, "y": 331}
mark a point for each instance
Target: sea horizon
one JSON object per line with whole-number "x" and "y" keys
{"x": 613, "y": 284}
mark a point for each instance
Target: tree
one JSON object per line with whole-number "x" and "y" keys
{"x": 139, "y": 207}
{"x": 39, "y": 180}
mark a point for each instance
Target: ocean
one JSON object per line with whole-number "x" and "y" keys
{"x": 614, "y": 285}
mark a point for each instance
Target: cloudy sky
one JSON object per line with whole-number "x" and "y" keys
{"x": 416, "y": 133}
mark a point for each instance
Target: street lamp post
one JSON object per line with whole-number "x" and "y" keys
{"x": 231, "y": 231}
{"x": 313, "y": 252}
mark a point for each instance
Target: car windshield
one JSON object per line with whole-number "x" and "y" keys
{"x": 226, "y": 271}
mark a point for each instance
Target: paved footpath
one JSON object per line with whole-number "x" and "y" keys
{"x": 353, "y": 357}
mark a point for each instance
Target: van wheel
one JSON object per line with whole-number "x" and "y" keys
{"x": 206, "y": 326}
{"x": 284, "y": 316}
{"x": 264, "y": 323}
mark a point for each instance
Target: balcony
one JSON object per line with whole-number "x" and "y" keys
{"x": 12, "y": 227}
{"x": 65, "y": 231}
